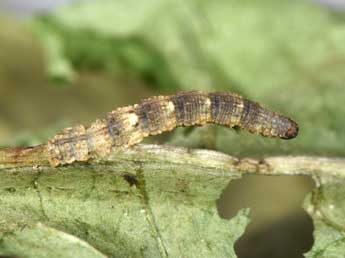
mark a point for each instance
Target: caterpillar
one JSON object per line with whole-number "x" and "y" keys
{"x": 127, "y": 126}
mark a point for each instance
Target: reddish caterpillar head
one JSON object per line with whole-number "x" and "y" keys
{"x": 275, "y": 125}
{"x": 258, "y": 119}
{"x": 286, "y": 128}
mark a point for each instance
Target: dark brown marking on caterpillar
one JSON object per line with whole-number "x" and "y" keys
{"x": 127, "y": 126}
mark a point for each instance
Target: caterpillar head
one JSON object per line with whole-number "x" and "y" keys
{"x": 286, "y": 128}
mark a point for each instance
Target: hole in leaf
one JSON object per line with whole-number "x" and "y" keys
{"x": 279, "y": 226}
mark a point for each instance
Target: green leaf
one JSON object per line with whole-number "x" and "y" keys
{"x": 287, "y": 54}
{"x": 153, "y": 201}
{"x": 327, "y": 207}
{"x": 141, "y": 202}
{"x": 38, "y": 240}
{"x": 291, "y": 60}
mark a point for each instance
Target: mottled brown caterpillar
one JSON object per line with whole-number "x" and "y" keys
{"x": 129, "y": 125}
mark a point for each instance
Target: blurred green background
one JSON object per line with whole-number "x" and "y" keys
{"x": 68, "y": 62}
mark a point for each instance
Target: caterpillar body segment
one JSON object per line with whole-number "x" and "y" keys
{"x": 127, "y": 126}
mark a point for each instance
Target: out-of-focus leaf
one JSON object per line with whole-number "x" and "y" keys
{"x": 288, "y": 54}
{"x": 58, "y": 67}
